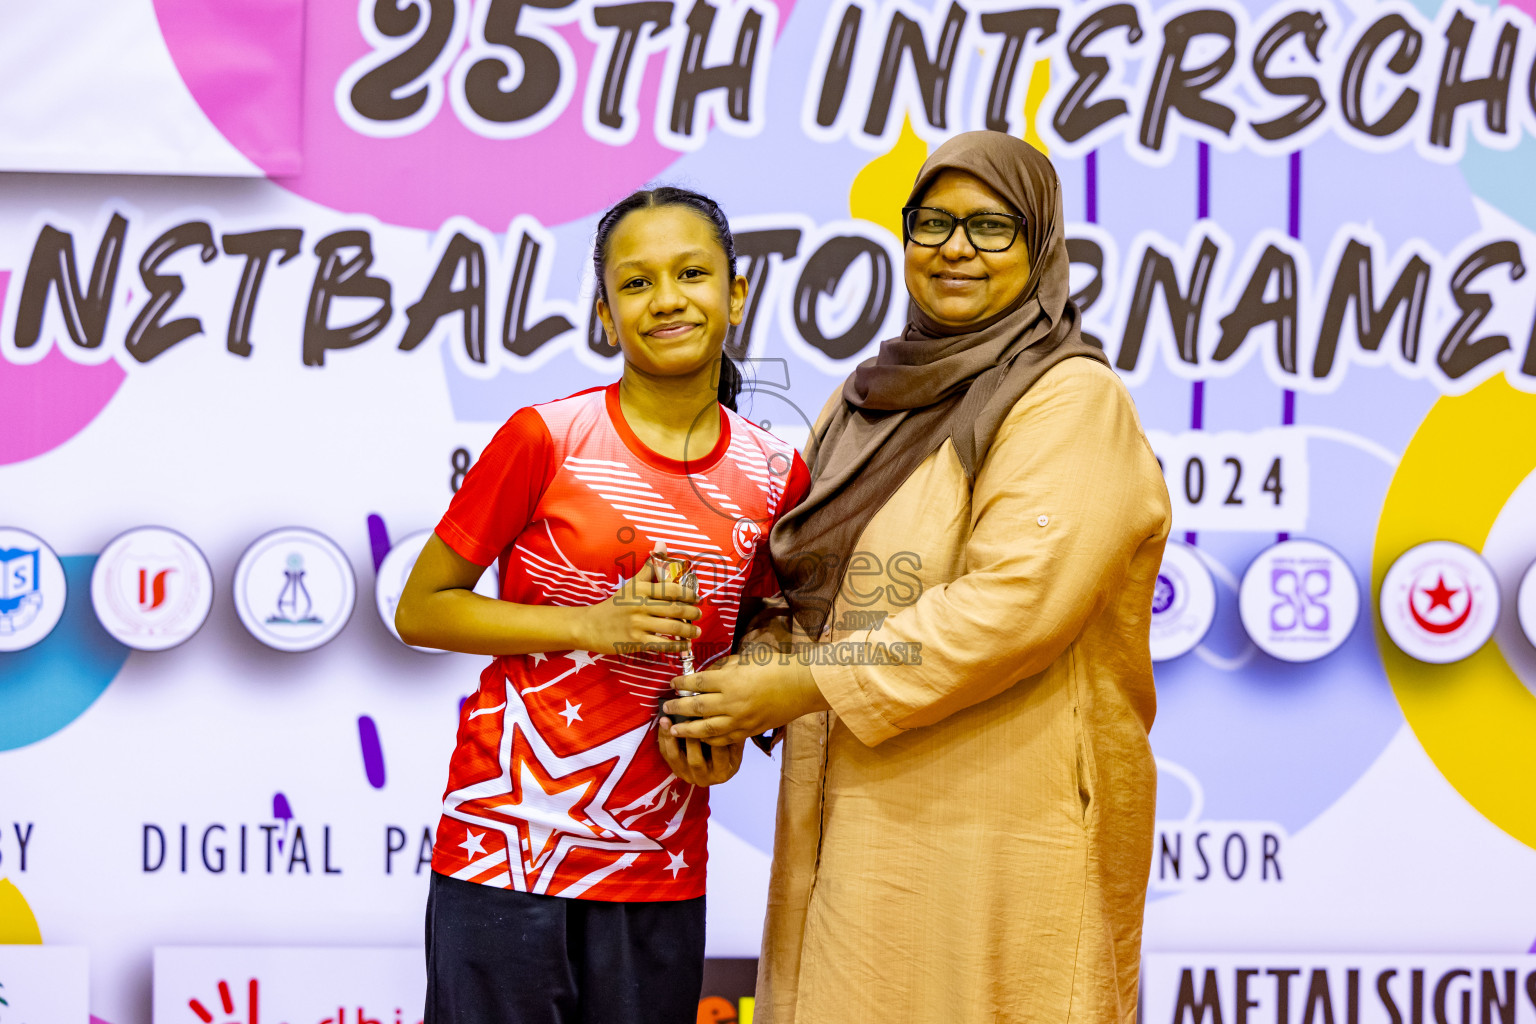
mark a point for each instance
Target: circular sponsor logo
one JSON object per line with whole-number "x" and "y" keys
{"x": 1183, "y": 603}
{"x": 32, "y": 589}
{"x": 396, "y": 568}
{"x": 294, "y": 589}
{"x": 1439, "y": 602}
{"x": 1299, "y": 600}
{"x": 151, "y": 588}
{"x": 1525, "y": 604}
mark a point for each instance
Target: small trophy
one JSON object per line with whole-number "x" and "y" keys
{"x": 667, "y": 569}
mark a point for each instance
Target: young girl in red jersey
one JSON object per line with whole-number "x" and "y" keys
{"x": 568, "y": 870}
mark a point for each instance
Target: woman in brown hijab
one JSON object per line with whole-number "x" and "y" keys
{"x": 965, "y": 816}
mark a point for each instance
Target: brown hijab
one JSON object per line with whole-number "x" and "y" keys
{"x": 933, "y": 383}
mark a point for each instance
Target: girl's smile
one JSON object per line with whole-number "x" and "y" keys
{"x": 672, "y": 329}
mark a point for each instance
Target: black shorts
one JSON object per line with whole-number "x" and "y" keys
{"x": 496, "y": 956}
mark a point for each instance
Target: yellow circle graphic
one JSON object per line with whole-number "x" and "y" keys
{"x": 17, "y": 925}
{"x": 1475, "y": 718}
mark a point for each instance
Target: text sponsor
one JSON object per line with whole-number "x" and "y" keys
{"x": 1287, "y": 988}
{"x": 1195, "y": 854}
{"x": 14, "y": 843}
{"x": 216, "y": 848}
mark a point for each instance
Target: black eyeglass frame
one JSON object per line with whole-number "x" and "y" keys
{"x": 963, "y": 222}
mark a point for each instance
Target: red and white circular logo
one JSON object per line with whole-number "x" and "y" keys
{"x": 745, "y": 536}
{"x": 151, "y": 588}
{"x": 1439, "y": 602}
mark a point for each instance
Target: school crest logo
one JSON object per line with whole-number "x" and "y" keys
{"x": 32, "y": 589}
{"x": 1183, "y": 603}
{"x": 294, "y": 589}
{"x": 151, "y": 588}
{"x": 1439, "y": 602}
{"x": 1299, "y": 601}
{"x": 396, "y": 568}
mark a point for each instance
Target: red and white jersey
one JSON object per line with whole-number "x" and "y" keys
{"x": 557, "y": 785}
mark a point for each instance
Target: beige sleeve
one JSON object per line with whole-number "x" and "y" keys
{"x": 1067, "y": 494}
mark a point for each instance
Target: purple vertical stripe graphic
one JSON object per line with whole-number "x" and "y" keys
{"x": 1196, "y": 422}
{"x": 1091, "y": 187}
{"x": 1292, "y": 228}
{"x": 1288, "y": 416}
{"x": 1203, "y": 175}
{"x": 373, "y": 751}
{"x": 1202, "y": 212}
{"x": 378, "y": 539}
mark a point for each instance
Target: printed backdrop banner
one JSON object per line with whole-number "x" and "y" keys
{"x": 45, "y": 984}
{"x": 203, "y": 88}
{"x": 1276, "y": 988}
{"x": 193, "y": 985}
{"x": 284, "y": 266}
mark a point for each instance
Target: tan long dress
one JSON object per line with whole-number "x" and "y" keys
{"x": 968, "y": 839}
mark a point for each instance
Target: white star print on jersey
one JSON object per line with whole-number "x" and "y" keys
{"x": 557, "y": 767}
{"x": 542, "y": 823}
{"x": 675, "y": 863}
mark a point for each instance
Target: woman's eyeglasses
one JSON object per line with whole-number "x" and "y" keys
{"x": 931, "y": 227}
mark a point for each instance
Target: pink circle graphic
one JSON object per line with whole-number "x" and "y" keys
{"x": 266, "y": 74}
{"x": 48, "y": 402}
